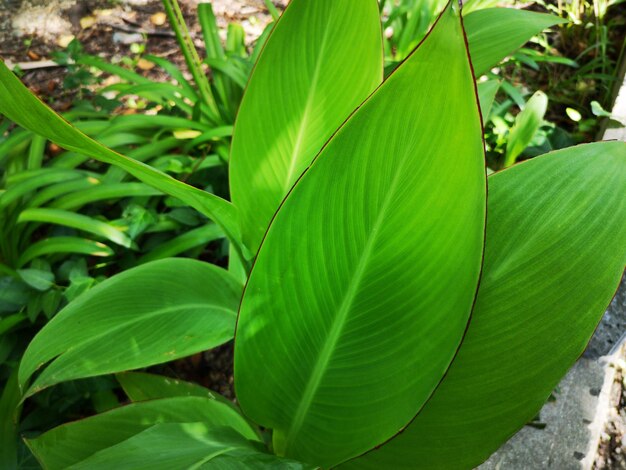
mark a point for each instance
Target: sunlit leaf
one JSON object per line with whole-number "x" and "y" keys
{"x": 554, "y": 257}
{"x": 151, "y": 314}
{"x": 495, "y": 33}
{"x": 380, "y": 247}
{"x": 323, "y": 58}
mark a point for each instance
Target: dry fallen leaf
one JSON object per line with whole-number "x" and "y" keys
{"x": 158, "y": 19}
{"x": 65, "y": 40}
{"x": 144, "y": 64}
{"x": 87, "y": 22}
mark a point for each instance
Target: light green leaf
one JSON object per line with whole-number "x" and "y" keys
{"x": 527, "y": 123}
{"x": 77, "y": 221}
{"x": 322, "y": 60}
{"x": 170, "y": 446}
{"x": 73, "y": 442}
{"x": 486, "y": 94}
{"x": 555, "y": 254}
{"x": 495, "y": 33}
{"x": 336, "y": 347}
{"x": 147, "y": 315}
{"x": 15, "y": 99}
{"x": 55, "y": 245}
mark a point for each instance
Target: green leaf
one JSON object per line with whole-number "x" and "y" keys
{"x": 486, "y": 94}
{"x": 140, "y": 386}
{"x": 344, "y": 336}
{"x": 183, "y": 445}
{"x": 9, "y": 401}
{"x": 554, "y": 257}
{"x": 56, "y": 245}
{"x": 527, "y": 123}
{"x": 322, "y": 60}
{"x": 147, "y": 315}
{"x": 15, "y": 99}
{"x": 73, "y": 442}
{"x": 77, "y": 221}
{"x": 193, "y": 238}
{"x": 37, "y": 278}
{"x": 495, "y": 33}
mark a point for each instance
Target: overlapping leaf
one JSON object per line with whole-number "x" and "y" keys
{"x": 322, "y": 60}
{"x": 494, "y": 33}
{"x": 344, "y": 334}
{"x": 15, "y": 99}
{"x": 151, "y": 314}
{"x": 554, "y": 256}
{"x": 73, "y": 442}
{"x": 186, "y": 445}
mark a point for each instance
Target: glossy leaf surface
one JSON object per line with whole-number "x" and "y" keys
{"x": 336, "y": 347}
{"x": 554, "y": 256}
{"x": 147, "y": 315}
{"x": 495, "y": 33}
{"x": 73, "y": 442}
{"x": 322, "y": 60}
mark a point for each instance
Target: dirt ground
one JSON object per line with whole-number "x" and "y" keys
{"x": 31, "y": 30}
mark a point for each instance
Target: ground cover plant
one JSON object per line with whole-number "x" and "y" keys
{"x": 384, "y": 291}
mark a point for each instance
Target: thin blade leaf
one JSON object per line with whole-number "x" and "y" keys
{"x": 322, "y": 60}
{"x": 554, "y": 257}
{"x": 15, "y": 98}
{"x": 147, "y": 315}
{"x": 332, "y": 331}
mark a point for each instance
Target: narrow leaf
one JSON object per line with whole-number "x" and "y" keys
{"x": 336, "y": 347}
{"x": 322, "y": 60}
{"x": 15, "y": 98}
{"x": 527, "y": 123}
{"x": 554, "y": 257}
{"x": 147, "y": 315}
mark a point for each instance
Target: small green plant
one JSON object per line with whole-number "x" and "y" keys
{"x": 383, "y": 292}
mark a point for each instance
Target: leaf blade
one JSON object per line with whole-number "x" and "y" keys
{"x": 554, "y": 257}
{"x": 297, "y": 96}
{"x": 147, "y": 315}
{"x": 494, "y": 33}
{"x": 331, "y": 274}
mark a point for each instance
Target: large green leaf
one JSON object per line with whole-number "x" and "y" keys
{"x": 321, "y": 61}
{"x": 22, "y": 107}
{"x": 194, "y": 445}
{"x": 147, "y": 315}
{"x": 73, "y": 442}
{"x": 555, "y": 253}
{"x": 364, "y": 283}
{"x": 495, "y": 33}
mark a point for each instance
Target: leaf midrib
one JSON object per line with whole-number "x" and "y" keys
{"x": 307, "y": 111}
{"x": 339, "y": 321}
